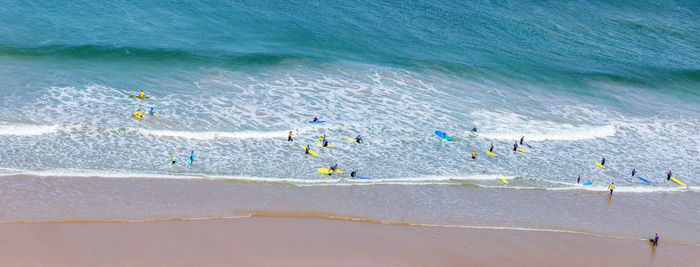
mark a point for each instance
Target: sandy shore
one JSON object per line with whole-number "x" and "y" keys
{"x": 284, "y": 241}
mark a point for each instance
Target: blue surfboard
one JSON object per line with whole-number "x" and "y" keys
{"x": 317, "y": 121}
{"x": 188, "y": 161}
{"x": 443, "y": 136}
{"x": 645, "y": 180}
{"x": 360, "y": 177}
{"x": 589, "y": 183}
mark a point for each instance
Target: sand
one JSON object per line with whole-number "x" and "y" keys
{"x": 281, "y": 241}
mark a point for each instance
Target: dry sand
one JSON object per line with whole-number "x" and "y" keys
{"x": 282, "y": 241}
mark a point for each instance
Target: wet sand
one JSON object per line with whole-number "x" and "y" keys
{"x": 283, "y": 241}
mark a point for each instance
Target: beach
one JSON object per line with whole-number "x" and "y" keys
{"x": 205, "y": 133}
{"x": 288, "y": 241}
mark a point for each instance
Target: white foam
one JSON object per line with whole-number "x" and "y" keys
{"x": 27, "y": 129}
{"x": 209, "y": 135}
{"x": 510, "y": 126}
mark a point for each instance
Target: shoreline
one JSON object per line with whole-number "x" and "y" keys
{"x": 297, "y": 241}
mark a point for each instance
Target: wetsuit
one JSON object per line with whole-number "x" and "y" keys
{"x": 656, "y": 240}
{"x": 634, "y": 172}
{"x": 353, "y": 173}
{"x": 358, "y": 139}
{"x": 602, "y": 162}
{"x": 521, "y": 139}
{"x": 515, "y": 146}
{"x": 578, "y": 180}
{"x": 473, "y": 155}
{"x": 325, "y": 143}
{"x": 491, "y": 149}
{"x": 668, "y": 176}
{"x": 290, "y": 137}
{"x": 192, "y": 157}
{"x": 307, "y": 149}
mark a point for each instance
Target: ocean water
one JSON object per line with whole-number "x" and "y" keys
{"x": 579, "y": 80}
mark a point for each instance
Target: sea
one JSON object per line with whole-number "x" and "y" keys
{"x": 578, "y": 80}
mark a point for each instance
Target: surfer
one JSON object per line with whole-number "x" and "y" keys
{"x": 668, "y": 175}
{"x": 142, "y": 94}
{"x": 578, "y": 180}
{"x": 612, "y": 186}
{"x": 655, "y": 241}
{"x": 152, "y": 112}
{"x": 474, "y": 129}
{"x": 522, "y": 139}
{"x": 353, "y": 173}
{"x": 634, "y": 171}
{"x": 315, "y": 118}
{"x": 474, "y": 155}
{"x": 515, "y": 146}
{"x": 491, "y": 149}
{"x": 358, "y": 139}
{"x": 290, "y": 136}
{"x": 139, "y": 112}
{"x": 602, "y": 162}
{"x": 174, "y": 159}
{"x": 307, "y": 149}
{"x": 191, "y": 156}
{"x": 325, "y": 142}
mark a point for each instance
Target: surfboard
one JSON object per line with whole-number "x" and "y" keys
{"x": 353, "y": 139}
{"x": 677, "y": 181}
{"x": 503, "y": 179}
{"x": 360, "y": 177}
{"x": 136, "y": 114}
{"x": 325, "y": 171}
{"x": 188, "y": 161}
{"x": 310, "y": 151}
{"x": 645, "y": 180}
{"x": 491, "y": 153}
{"x": 338, "y": 171}
{"x": 528, "y": 145}
{"x": 521, "y": 150}
{"x": 599, "y": 165}
{"x": 139, "y": 97}
{"x": 317, "y": 121}
{"x": 589, "y": 183}
{"x": 321, "y": 144}
{"x": 443, "y": 136}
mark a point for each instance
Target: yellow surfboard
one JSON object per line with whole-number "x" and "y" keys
{"x": 599, "y": 165}
{"x": 325, "y": 171}
{"x": 138, "y": 96}
{"x": 491, "y": 153}
{"x": 310, "y": 151}
{"x": 521, "y": 150}
{"x": 503, "y": 179}
{"x": 352, "y": 139}
{"x": 338, "y": 171}
{"x": 136, "y": 114}
{"x": 321, "y": 144}
{"x": 677, "y": 181}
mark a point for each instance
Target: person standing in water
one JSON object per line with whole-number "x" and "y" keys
{"x": 358, "y": 139}
{"x": 307, "y": 149}
{"x": 474, "y": 129}
{"x": 152, "y": 112}
{"x": 578, "y": 180}
{"x": 634, "y": 171}
{"x": 142, "y": 94}
{"x": 353, "y": 173}
{"x": 515, "y": 146}
{"x": 491, "y": 149}
{"x": 669, "y": 175}
{"x": 602, "y": 161}
{"x": 522, "y": 139}
{"x": 315, "y": 118}
{"x": 290, "y": 137}
{"x": 174, "y": 159}
{"x": 191, "y": 156}
{"x": 656, "y": 240}
{"x": 474, "y": 155}
{"x": 612, "y": 186}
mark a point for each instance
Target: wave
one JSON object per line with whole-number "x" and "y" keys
{"x": 214, "y": 134}
{"x": 165, "y": 55}
{"x": 487, "y": 181}
{"x": 27, "y": 129}
{"x": 502, "y": 126}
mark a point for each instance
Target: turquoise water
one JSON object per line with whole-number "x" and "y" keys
{"x": 580, "y": 80}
